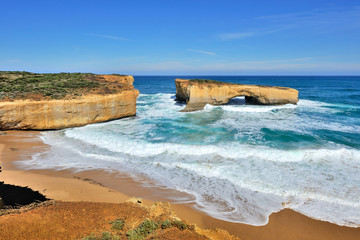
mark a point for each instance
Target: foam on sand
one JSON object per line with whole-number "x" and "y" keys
{"x": 239, "y": 162}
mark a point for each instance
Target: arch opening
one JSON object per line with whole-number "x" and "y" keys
{"x": 243, "y": 100}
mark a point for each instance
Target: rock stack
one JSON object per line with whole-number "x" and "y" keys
{"x": 199, "y": 92}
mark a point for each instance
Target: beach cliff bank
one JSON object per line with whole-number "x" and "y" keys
{"x": 96, "y": 98}
{"x": 198, "y": 92}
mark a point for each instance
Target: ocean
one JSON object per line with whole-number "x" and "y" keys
{"x": 238, "y": 162}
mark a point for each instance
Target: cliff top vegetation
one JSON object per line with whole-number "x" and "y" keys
{"x": 205, "y": 81}
{"x": 208, "y": 81}
{"x": 219, "y": 83}
{"x": 16, "y": 85}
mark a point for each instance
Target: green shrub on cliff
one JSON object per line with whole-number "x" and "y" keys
{"x": 147, "y": 228}
{"x": 205, "y": 81}
{"x": 20, "y": 85}
{"x": 179, "y": 224}
{"x": 144, "y": 229}
{"x": 120, "y": 75}
{"x": 103, "y": 236}
{"x": 118, "y": 224}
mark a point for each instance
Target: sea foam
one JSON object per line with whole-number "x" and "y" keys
{"x": 239, "y": 162}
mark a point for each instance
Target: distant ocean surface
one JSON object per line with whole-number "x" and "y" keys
{"x": 239, "y": 162}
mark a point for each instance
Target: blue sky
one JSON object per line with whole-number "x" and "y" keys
{"x": 258, "y": 37}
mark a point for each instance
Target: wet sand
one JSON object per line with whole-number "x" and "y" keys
{"x": 99, "y": 186}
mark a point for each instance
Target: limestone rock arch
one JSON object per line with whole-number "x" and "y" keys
{"x": 198, "y": 92}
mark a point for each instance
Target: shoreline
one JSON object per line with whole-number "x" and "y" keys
{"x": 64, "y": 185}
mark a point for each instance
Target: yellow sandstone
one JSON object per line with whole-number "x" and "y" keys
{"x": 64, "y": 113}
{"x": 198, "y": 93}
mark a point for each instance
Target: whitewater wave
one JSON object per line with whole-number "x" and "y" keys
{"x": 241, "y": 187}
{"x": 223, "y": 157}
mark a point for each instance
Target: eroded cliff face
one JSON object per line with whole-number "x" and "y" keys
{"x": 79, "y": 111}
{"x": 198, "y": 93}
{"x": 125, "y": 79}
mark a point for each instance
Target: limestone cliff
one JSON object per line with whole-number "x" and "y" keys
{"x": 198, "y": 93}
{"x": 72, "y": 112}
{"x": 125, "y": 79}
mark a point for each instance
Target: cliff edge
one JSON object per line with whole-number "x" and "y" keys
{"x": 198, "y": 92}
{"x": 56, "y": 101}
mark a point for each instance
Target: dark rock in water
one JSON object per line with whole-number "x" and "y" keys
{"x": 2, "y": 133}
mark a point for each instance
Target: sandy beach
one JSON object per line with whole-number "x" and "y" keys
{"x": 98, "y": 186}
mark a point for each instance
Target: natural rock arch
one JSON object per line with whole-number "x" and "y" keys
{"x": 197, "y": 93}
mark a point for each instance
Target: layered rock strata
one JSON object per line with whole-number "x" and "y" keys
{"x": 78, "y": 111}
{"x": 198, "y": 93}
{"x": 124, "y": 79}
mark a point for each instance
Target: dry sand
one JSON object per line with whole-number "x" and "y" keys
{"x": 67, "y": 186}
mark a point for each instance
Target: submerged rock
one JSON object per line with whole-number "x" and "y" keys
{"x": 197, "y": 93}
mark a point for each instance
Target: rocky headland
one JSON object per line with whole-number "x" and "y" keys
{"x": 198, "y": 92}
{"x": 56, "y": 101}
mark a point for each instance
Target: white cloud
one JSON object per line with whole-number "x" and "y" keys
{"x": 316, "y": 20}
{"x": 255, "y": 32}
{"x": 201, "y": 51}
{"x": 232, "y": 36}
{"x": 10, "y": 61}
{"x": 107, "y": 36}
{"x": 301, "y": 65}
{"x": 330, "y": 19}
{"x": 295, "y": 66}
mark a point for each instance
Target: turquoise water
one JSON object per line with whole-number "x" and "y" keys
{"x": 239, "y": 162}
